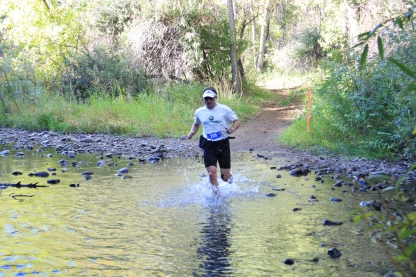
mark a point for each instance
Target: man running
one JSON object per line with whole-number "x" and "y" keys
{"x": 218, "y": 121}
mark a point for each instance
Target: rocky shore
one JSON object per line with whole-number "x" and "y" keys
{"x": 129, "y": 147}
{"x": 149, "y": 148}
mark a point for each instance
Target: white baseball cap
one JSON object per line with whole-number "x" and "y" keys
{"x": 209, "y": 93}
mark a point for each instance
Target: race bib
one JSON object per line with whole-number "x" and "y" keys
{"x": 214, "y": 136}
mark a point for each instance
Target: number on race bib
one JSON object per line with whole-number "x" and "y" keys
{"x": 214, "y": 136}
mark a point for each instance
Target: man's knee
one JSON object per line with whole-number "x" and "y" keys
{"x": 225, "y": 178}
{"x": 212, "y": 171}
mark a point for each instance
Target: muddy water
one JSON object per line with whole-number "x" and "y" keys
{"x": 162, "y": 219}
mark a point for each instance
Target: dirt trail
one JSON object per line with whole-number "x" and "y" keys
{"x": 259, "y": 133}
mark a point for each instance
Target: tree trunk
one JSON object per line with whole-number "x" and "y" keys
{"x": 253, "y": 33}
{"x": 239, "y": 60}
{"x": 282, "y": 39}
{"x": 236, "y": 79}
{"x": 263, "y": 36}
{"x": 350, "y": 23}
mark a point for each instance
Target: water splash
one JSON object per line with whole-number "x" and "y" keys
{"x": 203, "y": 193}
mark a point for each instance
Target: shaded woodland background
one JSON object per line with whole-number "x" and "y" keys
{"x": 81, "y": 52}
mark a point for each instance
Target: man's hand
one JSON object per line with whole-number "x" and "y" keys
{"x": 191, "y": 134}
{"x": 194, "y": 130}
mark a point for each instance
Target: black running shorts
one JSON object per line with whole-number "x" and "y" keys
{"x": 218, "y": 151}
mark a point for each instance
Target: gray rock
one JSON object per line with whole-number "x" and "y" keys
{"x": 87, "y": 140}
{"x": 41, "y": 174}
{"x": 334, "y": 199}
{"x": 288, "y": 261}
{"x": 87, "y": 173}
{"x": 362, "y": 182}
{"x": 372, "y": 203}
{"x": 334, "y": 253}
{"x": 299, "y": 171}
{"x": 327, "y": 222}
{"x": 123, "y": 170}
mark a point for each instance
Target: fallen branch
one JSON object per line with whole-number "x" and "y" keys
{"x": 19, "y": 185}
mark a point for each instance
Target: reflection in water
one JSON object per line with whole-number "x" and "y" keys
{"x": 214, "y": 251}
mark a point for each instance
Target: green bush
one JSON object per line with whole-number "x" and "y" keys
{"x": 101, "y": 70}
{"x": 372, "y": 102}
{"x": 309, "y": 49}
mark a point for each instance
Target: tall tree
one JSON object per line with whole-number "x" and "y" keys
{"x": 263, "y": 37}
{"x": 253, "y": 32}
{"x": 236, "y": 78}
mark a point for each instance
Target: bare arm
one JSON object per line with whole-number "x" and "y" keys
{"x": 235, "y": 126}
{"x": 194, "y": 130}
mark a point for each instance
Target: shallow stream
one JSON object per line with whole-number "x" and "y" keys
{"x": 162, "y": 219}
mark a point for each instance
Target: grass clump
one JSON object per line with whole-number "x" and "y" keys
{"x": 324, "y": 138}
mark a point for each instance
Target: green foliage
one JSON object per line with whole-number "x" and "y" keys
{"x": 115, "y": 16}
{"x": 373, "y": 102}
{"x": 403, "y": 229}
{"x": 207, "y": 41}
{"x": 310, "y": 48}
{"x": 406, "y": 53}
{"x": 367, "y": 111}
{"x": 86, "y": 47}
{"x": 35, "y": 38}
{"x": 100, "y": 70}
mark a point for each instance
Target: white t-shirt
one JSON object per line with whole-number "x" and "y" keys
{"x": 214, "y": 121}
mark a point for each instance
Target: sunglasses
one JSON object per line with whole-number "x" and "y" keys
{"x": 208, "y": 98}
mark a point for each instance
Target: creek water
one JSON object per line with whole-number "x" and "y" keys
{"x": 162, "y": 219}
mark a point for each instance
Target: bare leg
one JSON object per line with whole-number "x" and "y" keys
{"x": 225, "y": 174}
{"x": 212, "y": 173}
